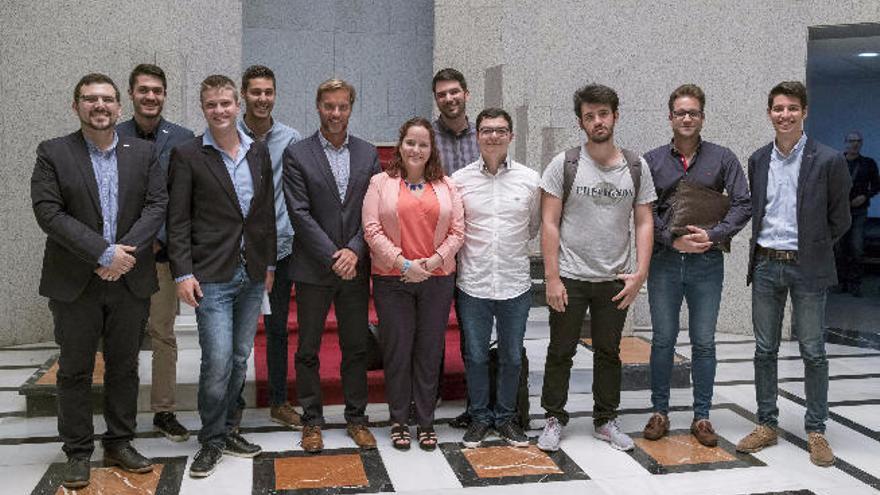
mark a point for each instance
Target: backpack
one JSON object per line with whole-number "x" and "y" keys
{"x": 569, "y": 170}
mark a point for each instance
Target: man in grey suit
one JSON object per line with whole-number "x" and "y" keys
{"x": 325, "y": 179}
{"x": 147, "y": 88}
{"x": 800, "y": 197}
{"x": 100, "y": 198}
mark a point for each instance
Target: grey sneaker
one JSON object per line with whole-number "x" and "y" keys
{"x": 549, "y": 439}
{"x": 610, "y": 432}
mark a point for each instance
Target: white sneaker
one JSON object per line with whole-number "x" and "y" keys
{"x": 549, "y": 439}
{"x": 610, "y": 432}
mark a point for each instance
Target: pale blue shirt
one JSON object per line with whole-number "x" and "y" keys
{"x": 340, "y": 163}
{"x": 107, "y": 176}
{"x": 779, "y": 230}
{"x": 278, "y": 138}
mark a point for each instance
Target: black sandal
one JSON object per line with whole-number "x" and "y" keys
{"x": 400, "y": 437}
{"x": 427, "y": 438}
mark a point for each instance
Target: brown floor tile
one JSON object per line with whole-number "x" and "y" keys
{"x": 633, "y": 350}
{"x": 51, "y": 375}
{"x": 106, "y": 481}
{"x": 497, "y": 462}
{"x": 323, "y": 471}
{"x": 682, "y": 449}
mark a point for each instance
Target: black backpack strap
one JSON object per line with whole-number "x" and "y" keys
{"x": 569, "y": 170}
{"x": 634, "y": 162}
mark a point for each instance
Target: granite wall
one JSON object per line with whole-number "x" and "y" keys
{"x": 531, "y": 55}
{"x": 46, "y": 47}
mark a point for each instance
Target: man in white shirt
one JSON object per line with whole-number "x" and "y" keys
{"x": 502, "y": 212}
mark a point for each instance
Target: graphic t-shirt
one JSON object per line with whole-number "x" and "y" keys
{"x": 594, "y": 237}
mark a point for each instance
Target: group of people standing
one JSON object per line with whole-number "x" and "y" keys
{"x": 250, "y": 209}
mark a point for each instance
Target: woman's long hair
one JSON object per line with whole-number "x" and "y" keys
{"x": 433, "y": 168}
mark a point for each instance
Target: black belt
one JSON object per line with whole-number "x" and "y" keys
{"x": 776, "y": 254}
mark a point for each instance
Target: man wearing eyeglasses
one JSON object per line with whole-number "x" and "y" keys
{"x": 101, "y": 198}
{"x": 147, "y": 88}
{"x": 691, "y": 266}
{"x": 502, "y": 209}
{"x": 865, "y": 184}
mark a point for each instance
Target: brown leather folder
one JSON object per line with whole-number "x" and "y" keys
{"x": 694, "y": 204}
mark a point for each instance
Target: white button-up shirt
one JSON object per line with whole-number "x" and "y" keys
{"x": 501, "y": 213}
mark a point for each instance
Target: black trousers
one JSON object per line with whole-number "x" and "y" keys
{"x": 351, "y": 300}
{"x": 412, "y": 330}
{"x": 108, "y": 312}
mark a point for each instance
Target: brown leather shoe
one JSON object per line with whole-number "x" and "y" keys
{"x": 361, "y": 436}
{"x": 286, "y": 415}
{"x": 762, "y": 436}
{"x": 657, "y": 427}
{"x": 820, "y": 451}
{"x": 702, "y": 429}
{"x": 311, "y": 439}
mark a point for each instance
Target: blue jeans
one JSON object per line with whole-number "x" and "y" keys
{"x": 227, "y": 322}
{"x": 509, "y": 317}
{"x": 696, "y": 278}
{"x": 772, "y": 281}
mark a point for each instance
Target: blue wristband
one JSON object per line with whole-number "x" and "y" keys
{"x": 406, "y": 265}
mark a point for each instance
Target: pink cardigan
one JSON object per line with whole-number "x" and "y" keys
{"x": 382, "y": 227}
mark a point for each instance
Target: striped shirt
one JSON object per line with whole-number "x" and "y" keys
{"x": 457, "y": 150}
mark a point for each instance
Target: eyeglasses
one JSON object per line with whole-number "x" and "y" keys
{"x": 681, "y": 114}
{"x": 93, "y": 99}
{"x": 498, "y": 131}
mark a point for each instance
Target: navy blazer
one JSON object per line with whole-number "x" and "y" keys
{"x": 322, "y": 223}
{"x": 64, "y": 193}
{"x": 822, "y": 209}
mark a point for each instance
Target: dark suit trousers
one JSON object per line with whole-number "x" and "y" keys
{"x": 105, "y": 311}
{"x": 351, "y": 299}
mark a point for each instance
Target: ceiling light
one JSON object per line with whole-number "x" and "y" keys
{"x": 868, "y": 54}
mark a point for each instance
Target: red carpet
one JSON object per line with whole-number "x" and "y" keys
{"x": 331, "y": 358}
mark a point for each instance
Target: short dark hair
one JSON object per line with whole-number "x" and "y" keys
{"x": 217, "y": 81}
{"x": 448, "y": 74}
{"x": 688, "y": 90}
{"x": 794, "y": 89}
{"x": 255, "y": 72}
{"x": 147, "y": 70}
{"x": 93, "y": 78}
{"x": 335, "y": 85}
{"x": 433, "y": 168}
{"x": 595, "y": 94}
{"x": 492, "y": 113}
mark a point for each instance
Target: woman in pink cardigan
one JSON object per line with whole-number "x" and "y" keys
{"x": 414, "y": 224}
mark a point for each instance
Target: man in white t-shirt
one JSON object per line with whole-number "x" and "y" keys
{"x": 590, "y": 194}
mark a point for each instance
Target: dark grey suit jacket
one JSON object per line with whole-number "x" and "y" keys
{"x": 64, "y": 193}
{"x": 205, "y": 221}
{"x": 322, "y": 223}
{"x": 822, "y": 209}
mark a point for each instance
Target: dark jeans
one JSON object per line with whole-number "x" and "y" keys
{"x": 350, "y": 298}
{"x": 696, "y": 278}
{"x": 276, "y": 333}
{"x": 509, "y": 318}
{"x": 412, "y": 330}
{"x": 606, "y": 322}
{"x": 772, "y": 281}
{"x": 850, "y": 249}
{"x": 108, "y": 312}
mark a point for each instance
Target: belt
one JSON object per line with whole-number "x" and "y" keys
{"x": 776, "y": 254}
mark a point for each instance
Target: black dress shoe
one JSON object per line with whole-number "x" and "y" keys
{"x": 205, "y": 462}
{"x": 76, "y": 473}
{"x": 170, "y": 427}
{"x": 126, "y": 457}
{"x": 237, "y": 445}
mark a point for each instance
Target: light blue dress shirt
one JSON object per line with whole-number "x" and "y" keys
{"x": 107, "y": 176}
{"x": 278, "y": 138}
{"x": 340, "y": 163}
{"x": 779, "y": 230}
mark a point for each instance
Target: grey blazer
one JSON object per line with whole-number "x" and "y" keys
{"x": 322, "y": 223}
{"x": 822, "y": 209}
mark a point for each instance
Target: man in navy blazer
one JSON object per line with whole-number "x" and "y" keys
{"x": 800, "y": 197}
{"x": 100, "y": 198}
{"x": 325, "y": 179}
{"x": 147, "y": 88}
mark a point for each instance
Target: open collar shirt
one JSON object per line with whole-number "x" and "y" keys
{"x": 340, "y": 163}
{"x": 779, "y": 230}
{"x": 457, "y": 150}
{"x": 106, "y": 170}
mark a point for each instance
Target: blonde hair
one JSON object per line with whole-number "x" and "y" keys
{"x": 334, "y": 85}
